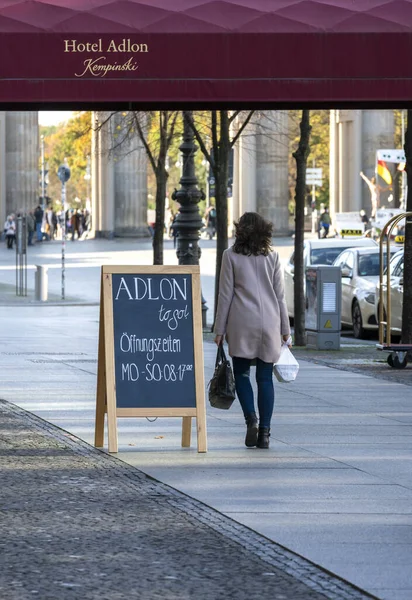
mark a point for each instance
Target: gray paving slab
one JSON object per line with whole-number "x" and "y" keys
{"x": 80, "y": 524}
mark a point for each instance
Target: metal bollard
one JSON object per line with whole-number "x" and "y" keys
{"x": 41, "y": 280}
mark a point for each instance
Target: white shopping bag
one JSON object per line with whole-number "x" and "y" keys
{"x": 287, "y": 367}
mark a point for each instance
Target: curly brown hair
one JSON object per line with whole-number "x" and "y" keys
{"x": 253, "y": 235}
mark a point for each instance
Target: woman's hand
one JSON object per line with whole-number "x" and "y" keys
{"x": 218, "y": 340}
{"x": 288, "y": 340}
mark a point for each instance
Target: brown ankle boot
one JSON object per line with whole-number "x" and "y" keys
{"x": 251, "y": 431}
{"x": 263, "y": 437}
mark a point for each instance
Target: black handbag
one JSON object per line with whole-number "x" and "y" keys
{"x": 222, "y": 385}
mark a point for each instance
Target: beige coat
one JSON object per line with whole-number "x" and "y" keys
{"x": 251, "y": 307}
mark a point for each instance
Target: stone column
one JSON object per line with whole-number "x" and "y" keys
{"x": 22, "y": 161}
{"x": 95, "y": 178}
{"x": 119, "y": 182}
{"x": 235, "y": 200}
{"x": 333, "y": 165}
{"x": 247, "y": 170}
{"x": 130, "y": 185}
{"x": 345, "y": 161}
{"x": 104, "y": 207}
{"x": 272, "y": 189}
{"x": 378, "y": 129}
{"x": 2, "y": 168}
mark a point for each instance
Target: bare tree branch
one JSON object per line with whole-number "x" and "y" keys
{"x": 144, "y": 142}
{"x": 200, "y": 141}
{"x": 215, "y": 141}
{"x": 241, "y": 128}
{"x": 233, "y": 116}
{"x": 172, "y": 128}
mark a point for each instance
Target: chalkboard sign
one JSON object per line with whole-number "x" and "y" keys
{"x": 150, "y": 348}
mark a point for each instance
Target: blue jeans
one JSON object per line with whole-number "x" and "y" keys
{"x": 266, "y": 391}
{"x": 39, "y": 233}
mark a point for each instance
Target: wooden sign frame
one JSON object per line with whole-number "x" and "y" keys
{"x": 106, "y": 384}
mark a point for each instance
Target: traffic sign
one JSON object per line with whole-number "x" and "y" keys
{"x": 316, "y": 172}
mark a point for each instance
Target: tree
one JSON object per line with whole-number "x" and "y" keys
{"x": 156, "y": 131}
{"x": 318, "y": 153}
{"x": 407, "y": 268}
{"x": 71, "y": 140}
{"x": 301, "y": 157}
{"x": 221, "y": 132}
{"x": 157, "y": 154}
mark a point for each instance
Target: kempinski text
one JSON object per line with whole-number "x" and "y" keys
{"x": 125, "y": 45}
{"x": 99, "y": 68}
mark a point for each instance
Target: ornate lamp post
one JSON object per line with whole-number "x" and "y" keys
{"x": 189, "y": 222}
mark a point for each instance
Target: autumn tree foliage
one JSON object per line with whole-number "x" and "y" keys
{"x": 71, "y": 141}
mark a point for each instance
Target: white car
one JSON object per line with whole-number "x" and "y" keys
{"x": 360, "y": 276}
{"x": 319, "y": 252}
{"x": 396, "y": 274}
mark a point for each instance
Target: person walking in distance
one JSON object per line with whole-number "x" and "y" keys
{"x": 10, "y": 231}
{"x": 325, "y": 221}
{"x": 252, "y": 314}
{"x": 38, "y": 217}
{"x": 31, "y": 227}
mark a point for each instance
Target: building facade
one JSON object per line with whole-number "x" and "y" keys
{"x": 355, "y": 136}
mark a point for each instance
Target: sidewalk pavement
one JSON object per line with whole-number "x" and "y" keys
{"x": 81, "y": 524}
{"x": 335, "y": 487}
{"x": 83, "y": 261}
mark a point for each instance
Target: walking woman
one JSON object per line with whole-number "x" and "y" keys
{"x": 252, "y": 314}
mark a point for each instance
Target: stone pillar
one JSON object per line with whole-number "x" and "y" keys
{"x": 333, "y": 164}
{"x": 95, "y": 178}
{"x": 247, "y": 170}
{"x": 104, "y": 208}
{"x": 119, "y": 182}
{"x": 22, "y": 161}
{"x": 235, "y": 200}
{"x": 130, "y": 185}
{"x": 3, "y": 214}
{"x": 345, "y": 161}
{"x": 378, "y": 132}
{"x": 272, "y": 189}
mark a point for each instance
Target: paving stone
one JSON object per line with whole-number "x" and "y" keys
{"x": 78, "y": 523}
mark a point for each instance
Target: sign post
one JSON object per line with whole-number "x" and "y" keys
{"x": 21, "y": 256}
{"x": 63, "y": 174}
{"x": 150, "y": 360}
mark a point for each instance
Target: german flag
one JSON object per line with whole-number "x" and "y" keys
{"x": 384, "y": 172}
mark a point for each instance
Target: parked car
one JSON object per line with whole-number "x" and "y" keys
{"x": 396, "y": 275}
{"x": 360, "y": 276}
{"x": 319, "y": 252}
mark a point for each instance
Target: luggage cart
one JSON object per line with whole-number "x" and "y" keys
{"x": 399, "y": 354}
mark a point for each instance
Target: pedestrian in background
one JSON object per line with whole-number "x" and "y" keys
{"x": 211, "y": 220}
{"x": 174, "y": 230}
{"x": 10, "y": 231}
{"x": 31, "y": 227}
{"x": 364, "y": 219}
{"x": 325, "y": 222}
{"x": 75, "y": 225}
{"x": 252, "y": 314}
{"x": 38, "y": 217}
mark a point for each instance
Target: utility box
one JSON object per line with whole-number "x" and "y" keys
{"x": 323, "y": 307}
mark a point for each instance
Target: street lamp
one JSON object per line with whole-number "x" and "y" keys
{"x": 189, "y": 222}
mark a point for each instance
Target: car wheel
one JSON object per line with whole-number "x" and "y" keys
{"x": 357, "y": 323}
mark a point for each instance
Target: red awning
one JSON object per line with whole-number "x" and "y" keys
{"x": 204, "y": 51}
